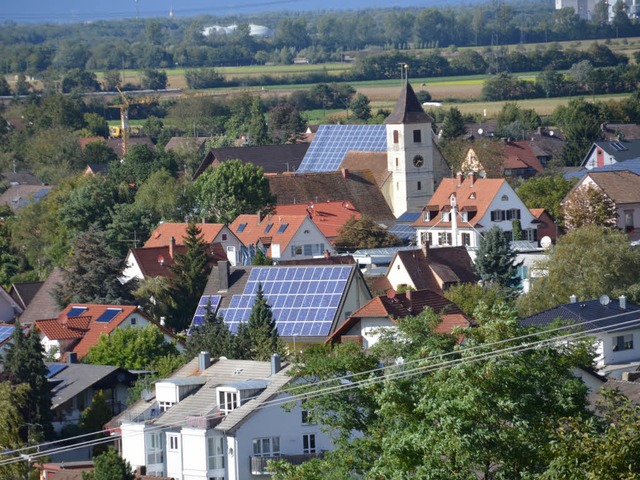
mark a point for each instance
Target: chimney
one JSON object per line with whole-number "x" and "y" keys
{"x": 573, "y": 299}
{"x": 72, "y": 357}
{"x": 345, "y": 173}
{"x": 172, "y": 245}
{"x": 276, "y": 363}
{"x": 472, "y": 177}
{"x": 460, "y": 177}
{"x": 204, "y": 361}
{"x": 223, "y": 275}
{"x": 623, "y": 302}
{"x": 260, "y": 216}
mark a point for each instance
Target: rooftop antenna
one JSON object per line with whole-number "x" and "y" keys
{"x": 404, "y": 73}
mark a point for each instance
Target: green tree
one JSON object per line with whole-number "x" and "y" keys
{"x": 95, "y": 417}
{"x": 257, "y": 131}
{"x": 24, "y": 362}
{"x": 154, "y": 79}
{"x": 91, "y": 273}
{"x": 242, "y": 345}
{"x": 111, "y": 80}
{"x": 213, "y": 337}
{"x": 360, "y": 107}
{"x": 586, "y": 262}
{"x": 131, "y": 348}
{"x": 262, "y": 329}
{"x": 233, "y": 188}
{"x": 589, "y": 205}
{"x": 545, "y": 192}
{"x": 468, "y": 296}
{"x": 191, "y": 270}
{"x": 495, "y": 259}
{"x": 286, "y": 124}
{"x": 364, "y": 233}
{"x": 96, "y": 124}
{"x": 98, "y": 153}
{"x": 5, "y": 90}
{"x": 110, "y": 466}
{"x": 13, "y": 401}
{"x": 260, "y": 258}
{"x": 580, "y": 123}
{"x": 22, "y": 87}
{"x": 453, "y": 124}
{"x": 78, "y": 80}
{"x": 551, "y": 82}
{"x": 54, "y": 154}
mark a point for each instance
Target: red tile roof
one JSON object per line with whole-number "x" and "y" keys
{"x": 470, "y": 195}
{"x": 329, "y": 217}
{"x": 161, "y": 236}
{"x": 155, "y": 261}
{"x": 521, "y": 155}
{"x": 84, "y": 329}
{"x": 256, "y": 229}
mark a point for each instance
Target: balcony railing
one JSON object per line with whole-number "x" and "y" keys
{"x": 259, "y": 464}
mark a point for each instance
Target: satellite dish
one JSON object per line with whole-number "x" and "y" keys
{"x": 146, "y": 395}
{"x": 551, "y": 134}
{"x": 480, "y": 131}
{"x": 604, "y": 300}
{"x": 545, "y": 242}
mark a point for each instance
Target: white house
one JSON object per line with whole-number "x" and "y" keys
{"x": 220, "y": 421}
{"x": 463, "y": 207}
{"x": 614, "y": 326}
{"x": 9, "y": 308}
{"x": 282, "y": 237}
{"x": 602, "y": 154}
{"x": 79, "y": 327}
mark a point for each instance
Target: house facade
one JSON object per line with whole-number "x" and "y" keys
{"x": 605, "y": 153}
{"x": 463, "y": 207}
{"x": 224, "y": 421}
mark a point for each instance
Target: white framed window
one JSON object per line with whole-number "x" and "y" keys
{"x": 164, "y": 406}
{"x": 155, "y": 454}
{"x": 309, "y": 443}
{"x": 464, "y": 216}
{"x": 228, "y": 400}
{"x": 215, "y": 452}
{"x": 173, "y": 443}
{"x": 426, "y": 238}
{"x": 623, "y": 342}
{"x": 266, "y": 447}
{"x": 531, "y": 234}
{"x": 444, "y": 238}
{"x": 466, "y": 239}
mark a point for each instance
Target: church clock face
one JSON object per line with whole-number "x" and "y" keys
{"x": 418, "y": 161}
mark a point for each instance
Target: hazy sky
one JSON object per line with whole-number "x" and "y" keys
{"x": 80, "y": 10}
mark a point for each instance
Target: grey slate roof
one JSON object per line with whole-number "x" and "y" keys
{"x": 42, "y": 304}
{"x": 23, "y": 293}
{"x": 407, "y": 108}
{"x": 590, "y": 314}
{"x": 631, "y": 149}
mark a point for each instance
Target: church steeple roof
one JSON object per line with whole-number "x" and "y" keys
{"x": 408, "y": 108}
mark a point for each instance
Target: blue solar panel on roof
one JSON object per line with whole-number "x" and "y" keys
{"x": 332, "y": 142}
{"x": 76, "y": 311}
{"x": 108, "y": 315}
{"x": 297, "y": 296}
{"x": 405, "y": 232}
{"x": 408, "y": 217}
{"x": 55, "y": 368}
{"x": 201, "y": 311}
{"x": 6, "y": 332}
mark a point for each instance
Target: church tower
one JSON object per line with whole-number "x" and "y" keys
{"x": 410, "y": 156}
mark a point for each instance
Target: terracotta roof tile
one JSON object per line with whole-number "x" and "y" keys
{"x": 477, "y": 194}
{"x": 161, "y": 236}
{"x": 521, "y": 155}
{"x": 155, "y": 261}
{"x": 329, "y": 217}
{"x": 256, "y": 228}
{"x": 621, "y": 186}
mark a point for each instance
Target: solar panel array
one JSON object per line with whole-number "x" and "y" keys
{"x": 6, "y": 332}
{"x": 304, "y": 300}
{"x": 201, "y": 311}
{"x": 108, "y": 315}
{"x": 405, "y": 232}
{"x": 332, "y": 142}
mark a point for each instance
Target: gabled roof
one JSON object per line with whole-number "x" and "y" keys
{"x": 43, "y": 305}
{"x": 589, "y": 314}
{"x": 620, "y": 150}
{"x": 156, "y": 261}
{"x": 520, "y": 155}
{"x": 161, "y": 236}
{"x": 87, "y": 328}
{"x": 411, "y": 303}
{"x": 272, "y": 158}
{"x": 236, "y": 280}
{"x": 375, "y": 162}
{"x": 473, "y": 196}
{"x": 407, "y": 108}
{"x": 628, "y": 165}
{"x": 256, "y": 229}
{"x": 611, "y": 131}
{"x": 360, "y": 188}
{"x": 621, "y": 186}
{"x": 23, "y": 293}
{"x": 71, "y": 379}
{"x": 18, "y": 196}
{"x": 329, "y": 217}
{"x": 21, "y": 178}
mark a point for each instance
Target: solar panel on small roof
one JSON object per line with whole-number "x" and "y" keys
{"x": 108, "y": 315}
{"x": 76, "y": 311}
{"x": 6, "y": 332}
{"x": 201, "y": 311}
{"x": 405, "y": 232}
{"x": 304, "y": 300}
{"x": 55, "y": 368}
{"x": 332, "y": 142}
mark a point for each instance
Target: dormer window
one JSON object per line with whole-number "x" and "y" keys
{"x": 464, "y": 216}
{"x": 472, "y": 196}
{"x": 228, "y": 400}
{"x": 446, "y": 216}
{"x": 427, "y": 216}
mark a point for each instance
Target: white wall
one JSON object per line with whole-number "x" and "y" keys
{"x": 610, "y": 357}
{"x": 231, "y": 241}
{"x": 356, "y": 297}
{"x": 314, "y": 237}
{"x": 397, "y": 274}
{"x": 132, "y": 269}
{"x": 371, "y": 329}
{"x": 133, "y": 444}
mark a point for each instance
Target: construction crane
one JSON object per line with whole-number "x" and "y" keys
{"x": 124, "y": 116}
